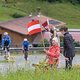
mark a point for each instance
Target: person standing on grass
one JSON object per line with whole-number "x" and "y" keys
{"x": 68, "y": 45}
{"x": 6, "y": 42}
{"x": 25, "y": 47}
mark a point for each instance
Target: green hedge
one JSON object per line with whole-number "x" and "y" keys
{"x": 46, "y": 43}
{"x": 76, "y": 44}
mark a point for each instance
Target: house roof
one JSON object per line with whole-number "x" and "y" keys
{"x": 19, "y": 25}
{"x": 75, "y": 34}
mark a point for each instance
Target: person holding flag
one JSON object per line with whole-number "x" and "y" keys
{"x": 53, "y": 53}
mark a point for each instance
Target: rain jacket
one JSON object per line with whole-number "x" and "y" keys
{"x": 68, "y": 45}
{"x": 25, "y": 45}
{"x": 6, "y": 41}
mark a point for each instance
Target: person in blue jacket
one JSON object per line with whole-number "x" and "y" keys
{"x": 25, "y": 47}
{"x": 6, "y": 42}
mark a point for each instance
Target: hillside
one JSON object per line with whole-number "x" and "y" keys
{"x": 62, "y": 11}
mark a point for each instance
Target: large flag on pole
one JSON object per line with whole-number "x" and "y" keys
{"x": 33, "y": 27}
{"x": 46, "y": 25}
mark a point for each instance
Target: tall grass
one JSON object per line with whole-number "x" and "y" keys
{"x": 56, "y": 74}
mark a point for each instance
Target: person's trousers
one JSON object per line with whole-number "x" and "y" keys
{"x": 26, "y": 55}
{"x": 69, "y": 63}
{"x": 6, "y": 50}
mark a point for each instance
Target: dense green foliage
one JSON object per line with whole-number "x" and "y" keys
{"x": 60, "y": 1}
{"x": 77, "y": 44}
{"x": 46, "y": 43}
{"x": 64, "y": 11}
{"x": 71, "y": 1}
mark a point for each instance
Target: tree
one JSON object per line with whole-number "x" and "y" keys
{"x": 74, "y": 1}
{"x": 71, "y": 1}
{"x": 78, "y": 1}
{"x": 51, "y": 1}
{"x": 6, "y": 1}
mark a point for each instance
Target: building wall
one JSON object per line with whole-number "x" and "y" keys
{"x": 16, "y": 38}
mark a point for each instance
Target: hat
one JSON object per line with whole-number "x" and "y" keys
{"x": 5, "y": 33}
{"x": 25, "y": 39}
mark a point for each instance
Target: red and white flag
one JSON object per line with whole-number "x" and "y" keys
{"x": 34, "y": 27}
{"x": 46, "y": 25}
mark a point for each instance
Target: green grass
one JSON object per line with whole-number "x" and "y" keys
{"x": 56, "y": 74}
{"x": 66, "y": 12}
{"x": 7, "y": 12}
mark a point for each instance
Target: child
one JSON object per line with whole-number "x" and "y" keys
{"x": 53, "y": 53}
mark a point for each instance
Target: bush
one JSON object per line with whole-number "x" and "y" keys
{"x": 77, "y": 43}
{"x": 46, "y": 42}
{"x": 71, "y": 1}
{"x": 61, "y": 44}
{"x": 17, "y": 15}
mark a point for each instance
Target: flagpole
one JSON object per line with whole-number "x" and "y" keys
{"x": 41, "y": 33}
{"x": 42, "y": 39}
{"x": 43, "y": 43}
{"x": 55, "y": 32}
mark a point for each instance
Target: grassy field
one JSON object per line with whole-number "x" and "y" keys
{"x": 57, "y": 74}
{"x": 66, "y": 12}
